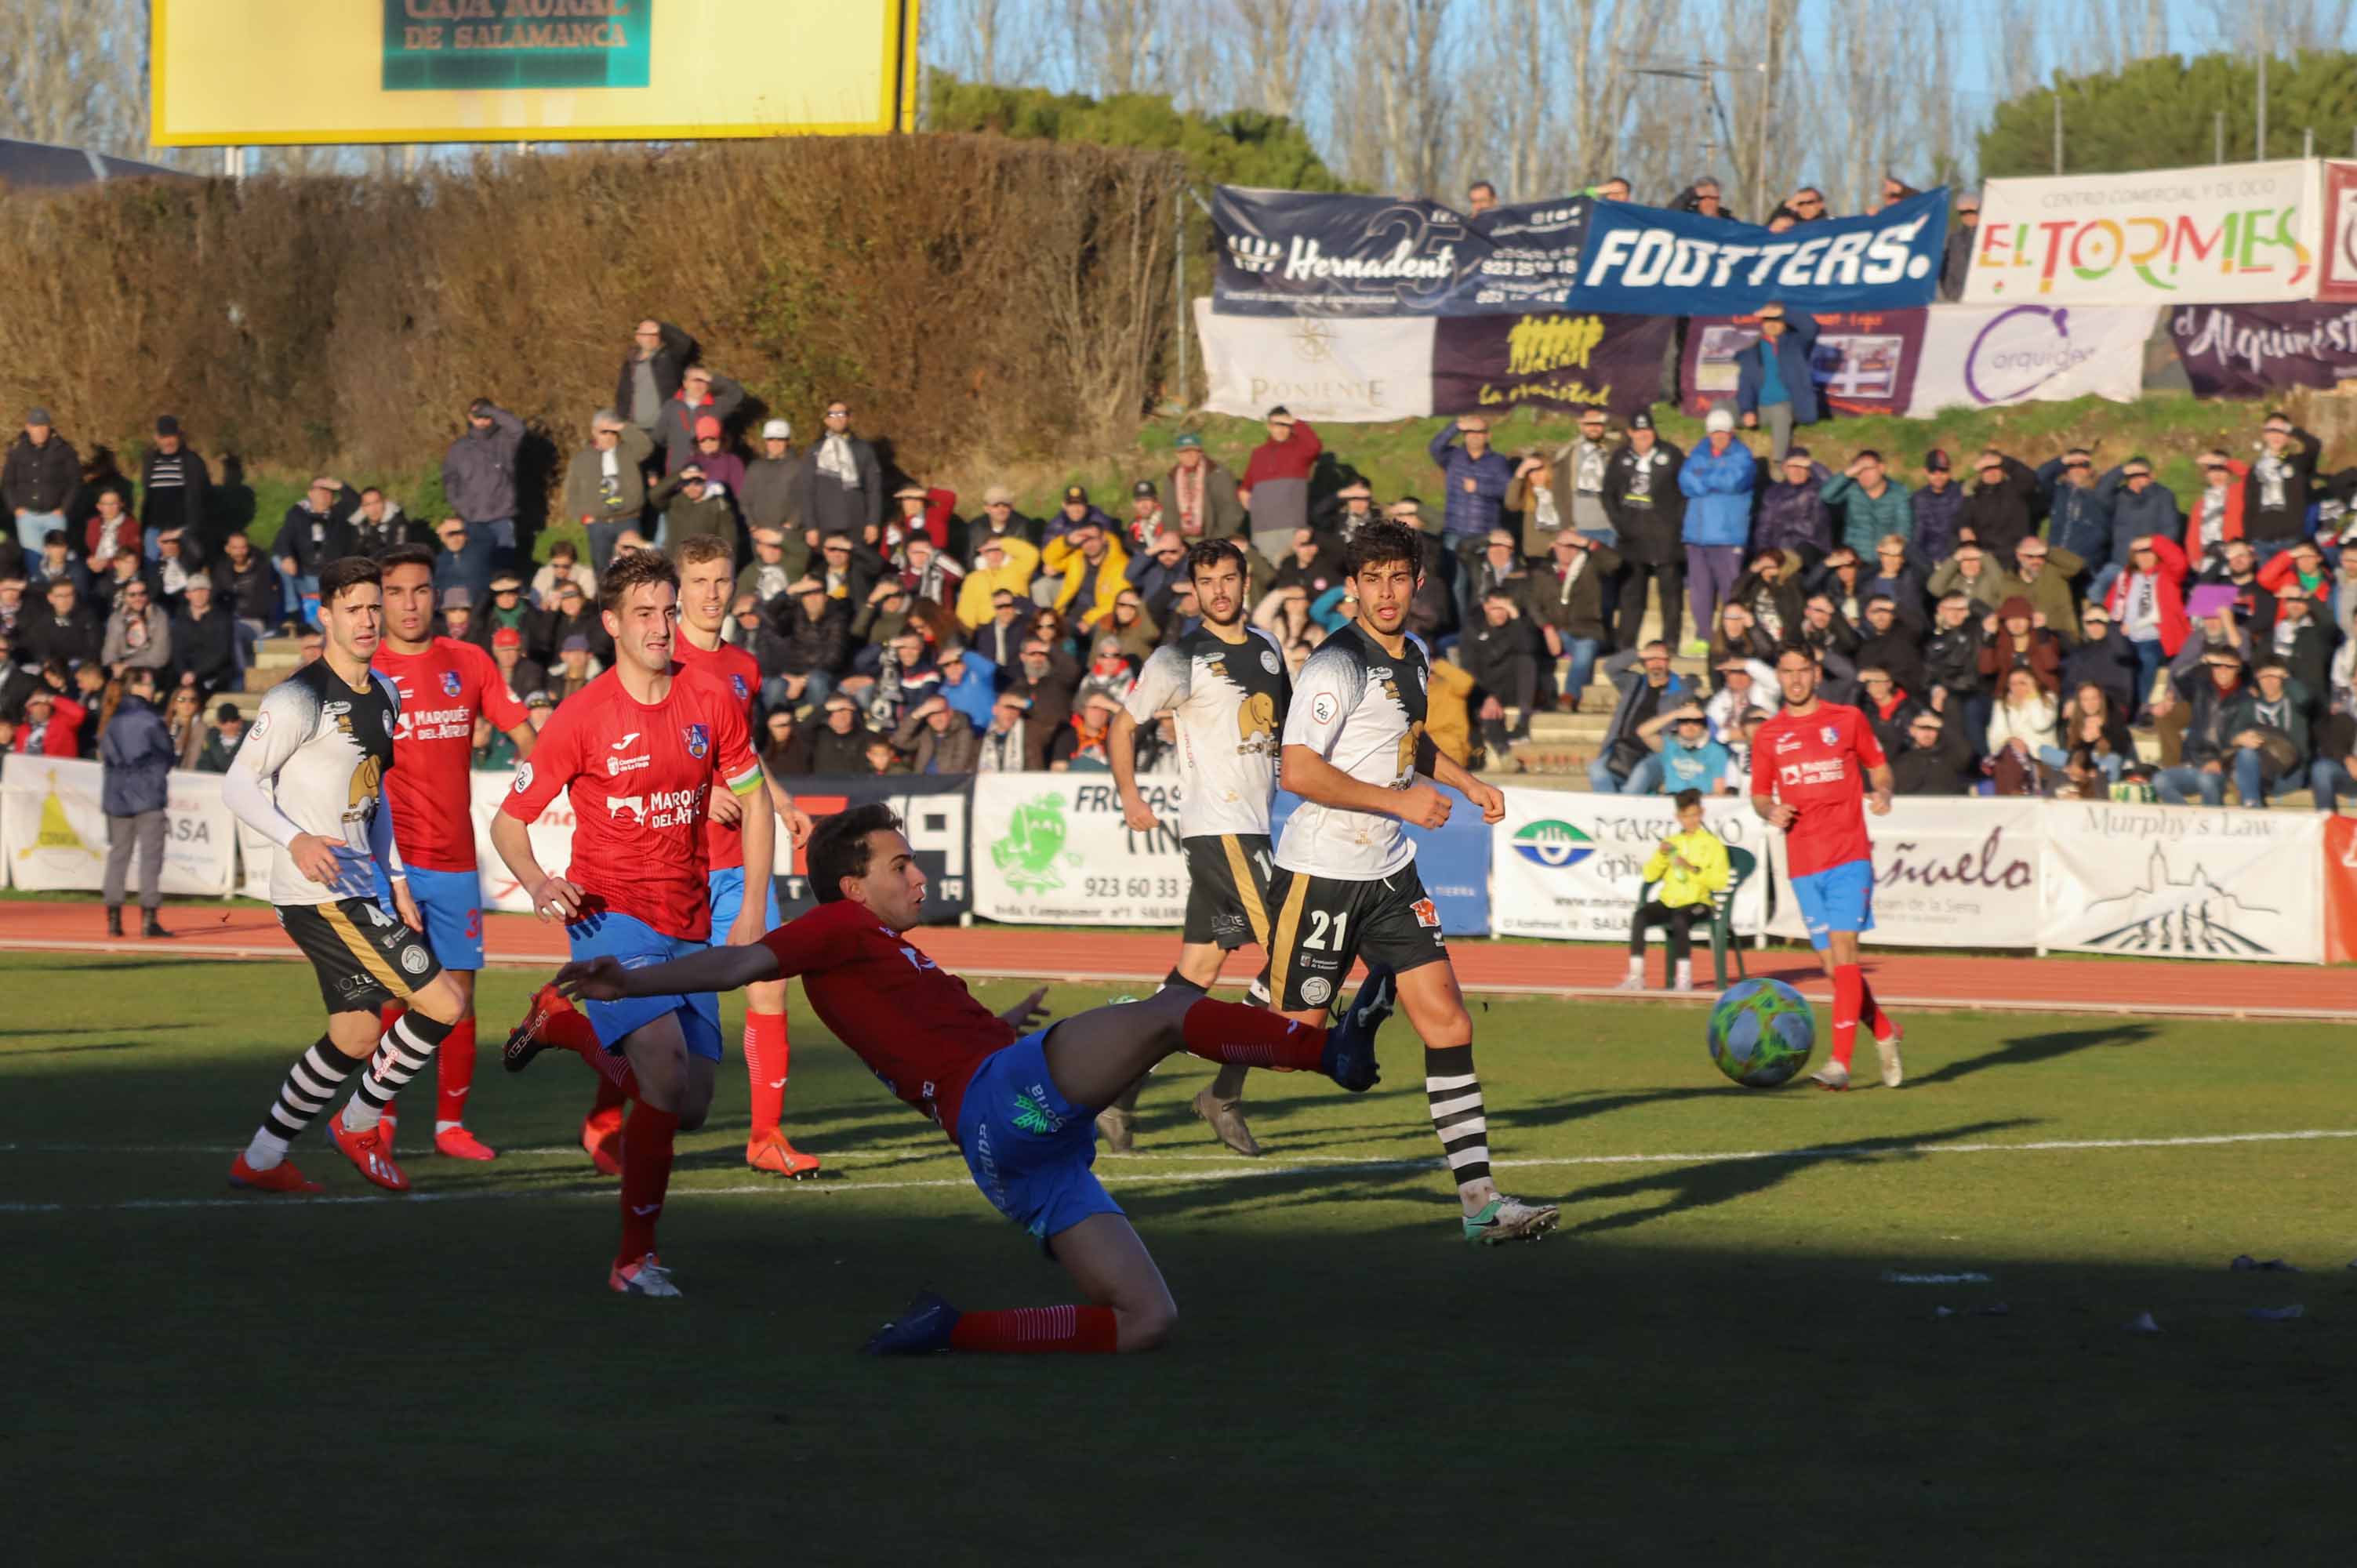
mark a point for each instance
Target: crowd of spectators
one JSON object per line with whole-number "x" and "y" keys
{"x": 2009, "y": 630}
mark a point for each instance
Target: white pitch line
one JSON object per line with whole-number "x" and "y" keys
{"x": 1238, "y": 1173}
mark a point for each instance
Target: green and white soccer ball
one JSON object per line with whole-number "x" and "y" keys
{"x": 1762, "y": 1033}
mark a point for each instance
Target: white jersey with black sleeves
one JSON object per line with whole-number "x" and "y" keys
{"x": 1363, "y": 710}
{"x": 1229, "y": 700}
{"x": 313, "y": 761}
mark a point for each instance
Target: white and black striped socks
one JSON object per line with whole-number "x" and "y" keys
{"x": 1454, "y": 1092}
{"x": 401, "y": 1055}
{"x": 311, "y": 1083}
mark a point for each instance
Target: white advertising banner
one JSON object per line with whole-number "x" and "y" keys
{"x": 1320, "y": 367}
{"x": 1949, "y": 872}
{"x": 1989, "y": 356}
{"x": 2184, "y": 882}
{"x": 54, "y": 831}
{"x": 1569, "y": 864}
{"x": 1053, "y": 849}
{"x": 552, "y": 840}
{"x": 2232, "y": 234}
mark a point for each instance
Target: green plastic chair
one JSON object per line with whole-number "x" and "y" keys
{"x": 1740, "y": 866}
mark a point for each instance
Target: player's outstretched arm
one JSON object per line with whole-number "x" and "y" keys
{"x": 1488, "y": 798}
{"x": 1878, "y": 784}
{"x": 713, "y": 969}
{"x": 761, "y": 839}
{"x": 1771, "y": 810}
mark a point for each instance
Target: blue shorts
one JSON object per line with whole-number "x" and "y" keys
{"x": 1838, "y": 898}
{"x": 639, "y": 945}
{"x": 727, "y": 890}
{"x": 451, "y": 904}
{"x": 1029, "y": 1148}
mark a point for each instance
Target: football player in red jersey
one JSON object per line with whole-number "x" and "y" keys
{"x": 706, "y": 585}
{"x": 1020, "y": 1106}
{"x": 1812, "y": 766}
{"x": 444, "y": 684}
{"x": 638, "y": 752}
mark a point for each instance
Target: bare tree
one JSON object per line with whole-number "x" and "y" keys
{"x": 1118, "y": 45}
{"x": 1269, "y": 50}
{"x": 76, "y": 75}
{"x": 2278, "y": 27}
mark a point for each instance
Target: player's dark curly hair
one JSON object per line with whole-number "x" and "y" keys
{"x": 1207, "y": 554}
{"x": 347, "y": 571}
{"x": 407, "y": 555}
{"x": 634, "y": 570}
{"x": 1380, "y": 544}
{"x": 838, "y": 847}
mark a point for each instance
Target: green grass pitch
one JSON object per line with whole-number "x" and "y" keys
{"x": 1705, "y": 1364}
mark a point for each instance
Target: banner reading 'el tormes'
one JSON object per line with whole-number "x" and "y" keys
{"x": 238, "y": 73}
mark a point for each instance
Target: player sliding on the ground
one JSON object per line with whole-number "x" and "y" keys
{"x": 1346, "y": 884}
{"x": 638, "y": 753}
{"x": 444, "y": 685}
{"x": 1020, "y": 1106}
{"x": 1225, "y": 685}
{"x": 310, "y": 777}
{"x": 1806, "y": 769}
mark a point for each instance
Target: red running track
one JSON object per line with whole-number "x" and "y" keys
{"x": 2056, "y": 984}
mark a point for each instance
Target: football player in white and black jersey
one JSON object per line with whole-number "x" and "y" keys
{"x": 1224, "y": 684}
{"x": 310, "y": 777}
{"x": 1346, "y": 886}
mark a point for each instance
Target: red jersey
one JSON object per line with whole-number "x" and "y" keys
{"x": 638, "y": 776}
{"x": 1817, "y": 764}
{"x": 912, "y": 1022}
{"x": 429, "y": 788}
{"x": 724, "y": 843}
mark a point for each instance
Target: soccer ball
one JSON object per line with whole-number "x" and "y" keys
{"x": 1762, "y": 1033}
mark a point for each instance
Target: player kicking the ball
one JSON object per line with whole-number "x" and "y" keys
{"x": 1811, "y": 759}
{"x": 310, "y": 777}
{"x": 1224, "y": 683}
{"x": 1020, "y": 1106}
{"x": 1346, "y": 882}
{"x": 638, "y": 752}
{"x": 445, "y": 685}
{"x": 706, "y": 587}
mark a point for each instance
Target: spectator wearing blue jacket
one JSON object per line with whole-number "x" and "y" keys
{"x": 2078, "y": 509}
{"x": 1938, "y": 504}
{"x": 1477, "y": 480}
{"x": 1773, "y": 385}
{"x": 136, "y": 754}
{"x": 970, "y": 681}
{"x": 2141, "y": 506}
{"x": 1716, "y": 479}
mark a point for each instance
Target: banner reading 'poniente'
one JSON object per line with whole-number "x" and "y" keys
{"x": 1288, "y": 252}
{"x": 1647, "y": 261}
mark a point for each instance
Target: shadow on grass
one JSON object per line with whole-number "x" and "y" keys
{"x": 1708, "y": 1182}
{"x": 85, "y": 1029}
{"x": 2032, "y": 1049}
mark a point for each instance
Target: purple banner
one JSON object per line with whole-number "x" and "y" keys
{"x": 1561, "y": 360}
{"x": 1864, "y": 361}
{"x": 2250, "y": 350}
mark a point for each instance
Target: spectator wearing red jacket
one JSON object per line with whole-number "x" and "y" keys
{"x": 1276, "y": 487}
{"x": 51, "y": 725}
{"x": 2148, "y": 608}
{"x": 925, "y": 511}
{"x": 2216, "y": 515}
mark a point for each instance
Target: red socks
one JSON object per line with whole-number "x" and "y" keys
{"x": 1849, "y": 993}
{"x": 1870, "y": 1013}
{"x": 454, "y": 1073}
{"x": 564, "y": 1026}
{"x": 610, "y": 1096}
{"x": 646, "y": 1177}
{"x": 765, "y": 1065}
{"x": 1038, "y": 1330}
{"x": 1233, "y": 1035}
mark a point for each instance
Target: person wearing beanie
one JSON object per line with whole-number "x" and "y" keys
{"x": 173, "y": 488}
{"x": 1716, "y": 479}
{"x": 770, "y": 493}
{"x": 479, "y": 474}
{"x": 37, "y": 483}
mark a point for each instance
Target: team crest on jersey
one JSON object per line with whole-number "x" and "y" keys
{"x": 737, "y": 681}
{"x": 1425, "y": 914}
{"x": 699, "y": 740}
{"x": 1829, "y": 735}
{"x": 450, "y": 682}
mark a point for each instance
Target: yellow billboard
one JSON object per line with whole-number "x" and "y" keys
{"x": 243, "y": 72}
